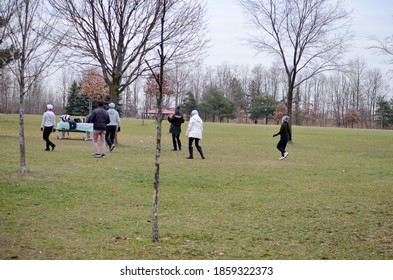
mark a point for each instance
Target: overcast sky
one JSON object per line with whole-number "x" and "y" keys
{"x": 227, "y": 27}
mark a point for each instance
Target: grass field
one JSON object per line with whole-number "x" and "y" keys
{"x": 332, "y": 198}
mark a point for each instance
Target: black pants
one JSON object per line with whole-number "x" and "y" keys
{"x": 176, "y": 138}
{"x": 282, "y": 144}
{"x": 191, "y": 140}
{"x": 45, "y": 136}
{"x": 110, "y": 135}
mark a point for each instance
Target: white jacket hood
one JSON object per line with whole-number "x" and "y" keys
{"x": 195, "y": 127}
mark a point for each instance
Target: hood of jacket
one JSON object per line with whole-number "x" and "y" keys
{"x": 197, "y": 118}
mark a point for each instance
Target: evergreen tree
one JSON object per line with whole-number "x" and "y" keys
{"x": 7, "y": 55}
{"x": 263, "y": 106}
{"x": 189, "y": 104}
{"x": 77, "y": 105}
{"x": 384, "y": 112}
{"x": 214, "y": 104}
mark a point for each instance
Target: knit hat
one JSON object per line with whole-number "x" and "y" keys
{"x": 49, "y": 107}
{"x": 177, "y": 110}
{"x": 285, "y": 119}
{"x": 194, "y": 112}
{"x": 112, "y": 105}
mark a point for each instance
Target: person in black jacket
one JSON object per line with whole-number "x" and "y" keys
{"x": 176, "y": 120}
{"x": 285, "y": 135}
{"x": 100, "y": 118}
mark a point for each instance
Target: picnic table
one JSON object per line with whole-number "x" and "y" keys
{"x": 63, "y": 130}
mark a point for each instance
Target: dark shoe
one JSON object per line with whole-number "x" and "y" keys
{"x": 103, "y": 155}
{"x": 174, "y": 149}
{"x": 112, "y": 147}
{"x": 96, "y": 155}
{"x": 46, "y": 150}
{"x": 190, "y": 157}
{"x": 53, "y": 147}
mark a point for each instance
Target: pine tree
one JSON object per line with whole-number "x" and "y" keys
{"x": 9, "y": 54}
{"x": 77, "y": 105}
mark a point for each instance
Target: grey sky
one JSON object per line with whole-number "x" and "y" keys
{"x": 226, "y": 23}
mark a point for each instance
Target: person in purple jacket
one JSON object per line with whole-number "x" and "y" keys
{"x": 100, "y": 118}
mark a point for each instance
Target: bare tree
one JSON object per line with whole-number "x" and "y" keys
{"x": 118, "y": 36}
{"x": 158, "y": 86}
{"x": 30, "y": 31}
{"x": 309, "y": 36}
{"x": 384, "y": 47}
{"x": 374, "y": 87}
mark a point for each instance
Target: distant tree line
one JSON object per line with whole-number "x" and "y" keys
{"x": 346, "y": 97}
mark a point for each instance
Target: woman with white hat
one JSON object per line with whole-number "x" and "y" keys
{"x": 194, "y": 132}
{"x": 48, "y": 125}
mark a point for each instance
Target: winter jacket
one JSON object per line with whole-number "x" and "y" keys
{"x": 176, "y": 120}
{"x": 285, "y": 131}
{"x": 100, "y": 118}
{"x": 48, "y": 119}
{"x": 195, "y": 127}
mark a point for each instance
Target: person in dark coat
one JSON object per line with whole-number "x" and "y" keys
{"x": 176, "y": 121}
{"x": 100, "y": 118}
{"x": 285, "y": 135}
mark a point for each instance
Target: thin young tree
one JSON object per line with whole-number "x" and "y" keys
{"x": 29, "y": 32}
{"x": 308, "y": 36}
{"x": 159, "y": 79}
{"x": 181, "y": 31}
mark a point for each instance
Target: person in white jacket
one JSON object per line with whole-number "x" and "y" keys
{"x": 47, "y": 126}
{"x": 194, "y": 132}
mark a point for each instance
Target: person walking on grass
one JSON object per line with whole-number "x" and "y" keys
{"x": 100, "y": 118}
{"x": 112, "y": 125}
{"x": 48, "y": 125}
{"x": 285, "y": 135}
{"x": 194, "y": 132}
{"x": 176, "y": 120}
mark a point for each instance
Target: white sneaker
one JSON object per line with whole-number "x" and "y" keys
{"x": 281, "y": 158}
{"x": 286, "y": 154}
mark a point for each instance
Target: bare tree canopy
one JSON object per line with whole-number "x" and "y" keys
{"x": 29, "y": 30}
{"x": 118, "y": 36}
{"x": 309, "y": 36}
{"x": 384, "y": 47}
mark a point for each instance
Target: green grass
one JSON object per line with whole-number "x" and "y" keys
{"x": 331, "y": 199}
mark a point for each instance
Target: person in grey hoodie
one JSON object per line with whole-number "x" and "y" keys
{"x": 194, "y": 132}
{"x": 111, "y": 127}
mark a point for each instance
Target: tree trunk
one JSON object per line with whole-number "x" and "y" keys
{"x": 157, "y": 176}
{"x": 159, "y": 117}
{"x": 23, "y": 168}
{"x": 291, "y": 82}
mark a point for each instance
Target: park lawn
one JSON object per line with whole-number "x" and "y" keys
{"x": 330, "y": 199}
